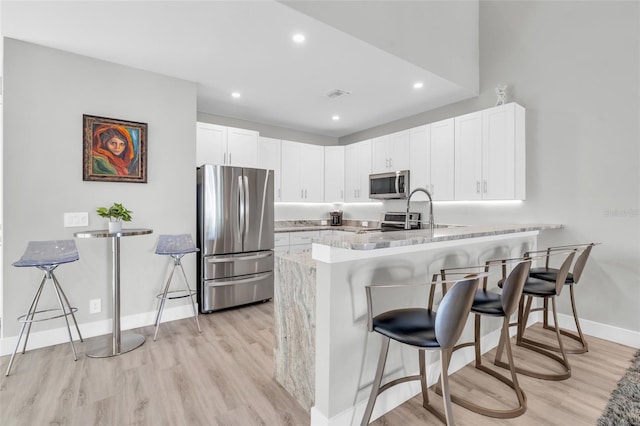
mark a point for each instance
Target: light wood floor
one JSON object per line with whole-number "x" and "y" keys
{"x": 224, "y": 377}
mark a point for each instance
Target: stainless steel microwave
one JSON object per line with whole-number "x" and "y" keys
{"x": 388, "y": 186}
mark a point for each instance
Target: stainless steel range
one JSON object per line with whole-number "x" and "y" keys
{"x": 395, "y": 221}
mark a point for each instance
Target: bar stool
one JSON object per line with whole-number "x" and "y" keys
{"x": 422, "y": 329}
{"x": 47, "y": 256}
{"x": 535, "y": 287}
{"x": 175, "y": 246}
{"x": 502, "y": 305}
{"x": 548, "y": 273}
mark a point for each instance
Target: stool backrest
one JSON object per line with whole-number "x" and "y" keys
{"x": 513, "y": 285}
{"x": 453, "y": 311}
{"x": 563, "y": 272}
{"x": 580, "y": 262}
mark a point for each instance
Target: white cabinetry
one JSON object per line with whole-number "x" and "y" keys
{"x": 490, "y": 154}
{"x": 357, "y": 166}
{"x": 269, "y": 152}
{"x": 432, "y": 160}
{"x": 302, "y": 172}
{"x": 334, "y": 174}
{"x": 391, "y": 152}
{"x": 442, "y": 160}
{"x": 226, "y": 145}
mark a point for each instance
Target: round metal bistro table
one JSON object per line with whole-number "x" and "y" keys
{"x": 116, "y": 344}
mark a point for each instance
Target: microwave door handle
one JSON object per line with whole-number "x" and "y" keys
{"x": 398, "y": 184}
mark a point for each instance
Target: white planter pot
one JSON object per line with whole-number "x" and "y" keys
{"x": 115, "y": 226}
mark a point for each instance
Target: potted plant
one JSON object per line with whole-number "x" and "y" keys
{"x": 116, "y": 214}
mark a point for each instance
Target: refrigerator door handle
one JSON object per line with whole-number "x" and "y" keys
{"x": 247, "y": 206}
{"x": 241, "y": 212}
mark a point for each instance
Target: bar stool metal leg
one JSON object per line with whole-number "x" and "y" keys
{"x": 192, "y": 294}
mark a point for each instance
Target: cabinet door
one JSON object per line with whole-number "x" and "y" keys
{"x": 334, "y": 174}
{"x": 269, "y": 151}
{"x": 420, "y": 163}
{"x": 211, "y": 143}
{"x": 399, "y": 156}
{"x": 468, "y": 156}
{"x": 499, "y": 153}
{"x": 442, "y": 160}
{"x": 381, "y": 154}
{"x": 242, "y": 147}
{"x": 351, "y": 173}
{"x": 364, "y": 169}
{"x": 291, "y": 171}
{"x": 312, "y": 173}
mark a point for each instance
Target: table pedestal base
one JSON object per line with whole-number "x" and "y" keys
{"x": 102, "y": 347}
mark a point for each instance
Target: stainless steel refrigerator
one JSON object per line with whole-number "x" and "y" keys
{"x": 235, "y": 236}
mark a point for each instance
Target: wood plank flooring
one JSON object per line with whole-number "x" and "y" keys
{"x": 224, "y": 376}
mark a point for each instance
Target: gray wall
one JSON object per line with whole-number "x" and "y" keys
{"x": 575, "y": 67}
{"x": 46, "y": 93}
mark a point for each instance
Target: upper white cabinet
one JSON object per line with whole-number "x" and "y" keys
{"x": 391, "y": 152}
{"x": 357, "y": 168}
{"x": 269, "y": 157}
{"x": 432, "y": 159}
{"x": 302, "y": 172}
{"x": 490, "y": 154}
{"x": 226, "y": 145}
{"x": 334, "y": 174}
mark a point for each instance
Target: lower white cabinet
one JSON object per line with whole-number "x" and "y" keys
{"x": 294, "y": 242}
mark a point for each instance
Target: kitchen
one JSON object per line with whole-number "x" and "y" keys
{"x": 565, "y": 122}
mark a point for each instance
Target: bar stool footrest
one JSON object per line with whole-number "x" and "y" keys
{"x": 176, "y": 294}
{"x": 23, "y": 318}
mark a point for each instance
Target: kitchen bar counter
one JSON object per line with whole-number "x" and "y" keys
{"x": 320, "y": 309}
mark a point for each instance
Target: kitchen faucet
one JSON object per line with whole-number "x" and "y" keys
{"x": 431, "y": 222}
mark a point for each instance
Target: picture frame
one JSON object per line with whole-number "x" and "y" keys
{"x": 114, "y": 150}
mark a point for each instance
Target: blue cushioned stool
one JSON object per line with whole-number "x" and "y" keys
{"x": 175, "y": 246}
{"x": 47, "y": 256}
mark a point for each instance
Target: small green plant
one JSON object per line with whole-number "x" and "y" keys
{"x": 116, "y": 212}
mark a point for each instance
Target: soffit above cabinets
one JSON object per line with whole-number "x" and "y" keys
{"x": 375, "y": 51}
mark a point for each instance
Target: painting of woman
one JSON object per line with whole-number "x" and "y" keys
{"x": 114, "y": 150}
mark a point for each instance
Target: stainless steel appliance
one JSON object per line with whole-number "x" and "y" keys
{"x": 336, "y": 217}
{"x": 387, "y": 186}
{"x": 395, "y": 221}
{"x": 235, "y": 236}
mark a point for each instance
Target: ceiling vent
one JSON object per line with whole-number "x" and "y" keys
{"x": 337, "y": 93}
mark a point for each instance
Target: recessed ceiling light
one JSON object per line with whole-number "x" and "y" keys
{"x": 236, "y": 95}
{"x": 418, "y": 85}
{"x": 335, "y": 118}
{"x": 299, "y": 38}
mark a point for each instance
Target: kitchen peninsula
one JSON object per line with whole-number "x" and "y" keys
{"x": 324, "y": 355}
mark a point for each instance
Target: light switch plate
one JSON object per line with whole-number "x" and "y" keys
{"x": 76, "y": 219}
{"x": 323, "y": 222}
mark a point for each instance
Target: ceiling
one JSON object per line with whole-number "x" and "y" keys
{"x": 243, "y": 46}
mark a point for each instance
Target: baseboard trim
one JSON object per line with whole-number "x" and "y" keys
{"x": 601, "y": 331}
{"x": 56, "y": 336}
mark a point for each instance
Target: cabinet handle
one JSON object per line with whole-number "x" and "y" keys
{"x": 305, "y": 193}
{"x": 230, "y": 158}
{"x": 302, "y": 193}
{"x": 279, "y": 193}
{"x": 477, "y": 187}
{"x": 485, "y": 186}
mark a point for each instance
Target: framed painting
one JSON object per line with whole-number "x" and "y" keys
{"x": 114, "y": 150}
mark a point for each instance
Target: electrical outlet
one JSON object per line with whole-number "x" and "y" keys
{"x": 95, "y": 306}
{"x": 323, "y": 222}
{"x": 365, "y": 223}
{"x": 76, "y": 219}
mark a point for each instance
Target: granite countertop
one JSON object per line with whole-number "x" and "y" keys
{"x": 379, "y": 240}
{"x": 348, "y": 225}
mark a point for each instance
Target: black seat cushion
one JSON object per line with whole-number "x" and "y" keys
{"x": 413, "y": 326}
{"x": 539, "y": 288}
{"x": 488, "y": 303}
{"x": 549, "y": 274}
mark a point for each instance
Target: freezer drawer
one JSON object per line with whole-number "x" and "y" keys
{"x": 229, "y": 292}
{"x": 231, "y": 265}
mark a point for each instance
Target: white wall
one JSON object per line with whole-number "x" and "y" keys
{"x": 46, "y": 93}
{"x": 575, "y": 67}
